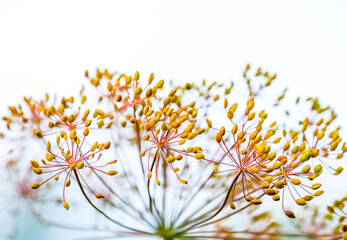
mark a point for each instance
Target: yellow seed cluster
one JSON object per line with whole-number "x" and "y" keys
{"x": 178, "y": 131}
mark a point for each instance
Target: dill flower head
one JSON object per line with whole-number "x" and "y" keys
{"x": 71, "y": 160}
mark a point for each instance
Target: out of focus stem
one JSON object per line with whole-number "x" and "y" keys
{"x": 101, "y": 212}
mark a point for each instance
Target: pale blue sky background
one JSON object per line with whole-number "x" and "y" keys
{"x": 47, "y": 45}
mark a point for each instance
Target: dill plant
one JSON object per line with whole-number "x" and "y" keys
{"x": 183, "y": 162}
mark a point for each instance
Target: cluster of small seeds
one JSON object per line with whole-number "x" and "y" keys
{"x": 71, "y": 160}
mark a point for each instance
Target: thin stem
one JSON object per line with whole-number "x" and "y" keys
{"x": 101, "y": 212}
{"x": 221, "y": 207}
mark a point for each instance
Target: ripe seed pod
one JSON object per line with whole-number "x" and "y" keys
{"x": 157, "y": 181}
{"x": 256, "y": 201}
{"x": 315, "y": 186}
{"x": 225, "y": 103}
{"x": 83, "y": 99}
{"x": 271, "y": 192}
{"x": 34, "y": 164}
{"x": 218, "y": 137}
{"x": 49, "y": 157}
{"x": 308, "y": 198}
{"x": 276, "y": 165}
{"x": 318, "y": 169}
{"x": 222, "y": 131}
{"x": 338, "y": 170}
{"x": 232, "y": 205}
{"x": 240, "y": 135}
{"x": 215, "y": 169}
{"x": 286, "y": 146}
{"x": 284, "y": 161}
{"x": 279, "y": 184}
{"x": 149, "y": 92}
{"x": 86, "y": 132}
{"x": 150, "y": 79}
{"x": 68, "y": 183}
{"x": 234, "y": 129}
{"x": 230, "y": 114}
{"x": 38, "y": 171}
{"x": 107, "y": 145}
{"x": 87, "y": 123}
{"x": 179, "y": 157}
{"x": 253, "y": 135}
{"x": 183, "y": 181}
{"x": 35, "y": 186}
{"x": 296, "y": 181}
{"x": 80, "y": 165}
{"x": 112, "y": 172}
{"x": 260, "y": 149}
{"x": 112, "y": 162}
{"x": 265, "y": 185}
{"x": 318, "y": 193}
{"x": 71, "y": 118}
{"x": 170, "y": 159}
{"x": 98, "y": 195}
{"x": 295, "y": 149}
{"x": 267, "y": 149}
{"x": 271, "y": 156}
{"x": 136, "y": 76}
{"x": 73, "y": 134}
{"x": 199, "y": 156}
{"x": 192, "y": 135}
{"x": 251, "y": 116}
{"x": 160, "y": 84}
{"x": 314, "y": 153}
{"x": 300, "y": 201}
{"x": 250, "y": 105}
{"x": 253, "y": 169}
{"x": 200, "y": 130}
{"x": 276, "y": 198}
{"x": 66, "y": 205}
{"x": 306, "y": 169}
{"x": 38, "y": 133}
{"x": 304, "y": 157}
{"x": 233, "y": 107}
{"x": 289, "y": 214}
{"x": 244, "y": 151}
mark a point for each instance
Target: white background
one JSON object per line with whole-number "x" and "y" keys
{"x": 45, "y": 46}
